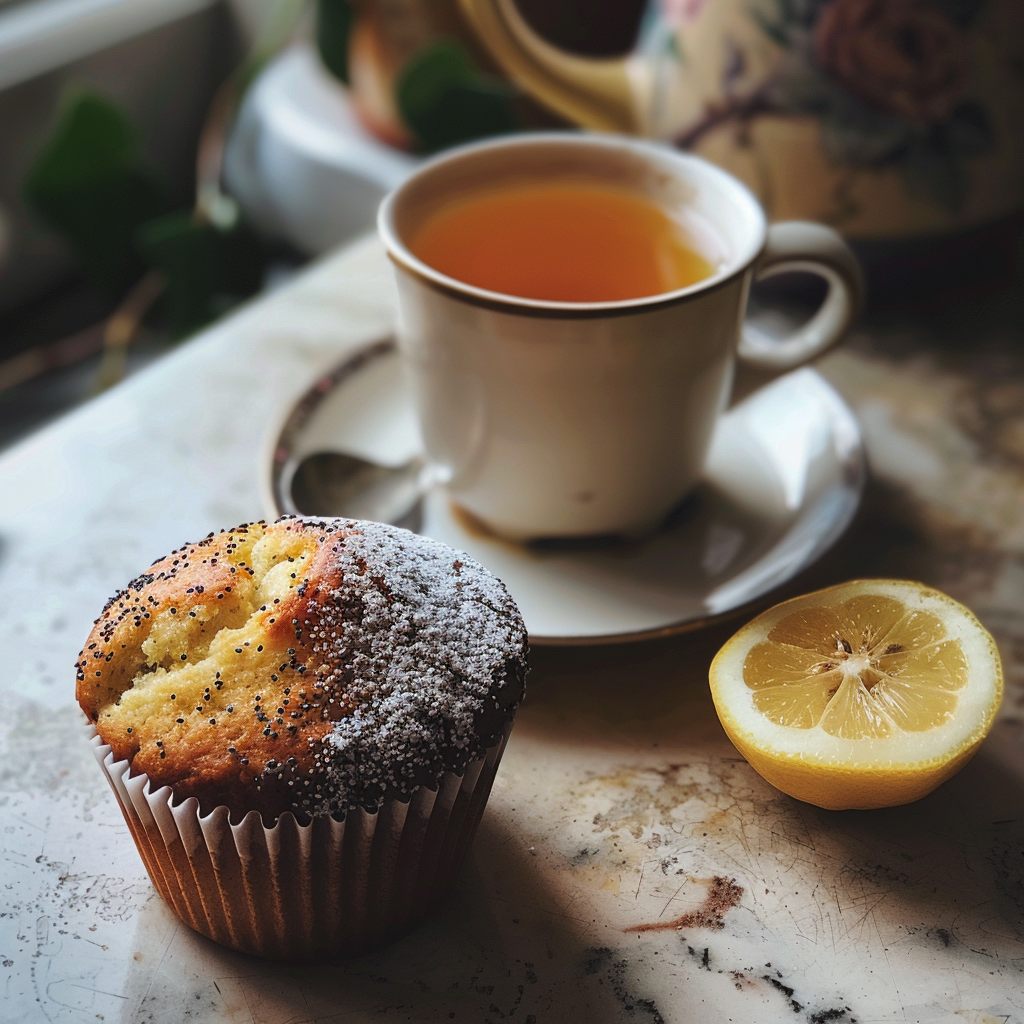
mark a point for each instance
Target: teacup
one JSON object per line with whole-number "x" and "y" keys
{"x": 553, "y": 419}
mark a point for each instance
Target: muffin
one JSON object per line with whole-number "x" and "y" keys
{"x": 301, "y": 722}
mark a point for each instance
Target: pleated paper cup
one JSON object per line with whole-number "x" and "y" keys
{"x": 318, "y": 891}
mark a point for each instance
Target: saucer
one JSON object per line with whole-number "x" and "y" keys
{"x": 783, "y": 480}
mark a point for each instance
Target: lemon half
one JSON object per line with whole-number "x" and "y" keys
{"x": 867, "y": 694}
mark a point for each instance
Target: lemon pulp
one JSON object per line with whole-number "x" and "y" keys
{"x": 865, "y": 668}
{"x": 867, "y": 694}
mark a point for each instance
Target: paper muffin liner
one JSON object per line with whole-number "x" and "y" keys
{"x": 319, "y": 891}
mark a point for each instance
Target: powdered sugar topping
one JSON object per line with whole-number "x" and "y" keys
{"x": 430, "y": 646}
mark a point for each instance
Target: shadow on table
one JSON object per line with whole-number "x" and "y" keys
{"x": 943, "y": 878}
{"x": 653, "y": 689}
{"x": 501, "y": 947}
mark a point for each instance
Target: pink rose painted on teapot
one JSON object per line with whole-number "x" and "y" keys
{"x": 905, "y": 57}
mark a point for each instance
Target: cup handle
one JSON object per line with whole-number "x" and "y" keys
{"x": 802, "y": 246}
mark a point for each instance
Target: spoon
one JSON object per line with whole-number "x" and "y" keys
{"x": 339, "y": 484}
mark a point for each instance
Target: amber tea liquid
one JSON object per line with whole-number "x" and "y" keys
{"x": 562, "y": 242}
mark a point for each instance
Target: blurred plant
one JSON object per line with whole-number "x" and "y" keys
{"x": 208, "y": 267}
{"x": 91, "y": 186}
{"x": 441, "y": 95}
{"x": 333, "y": 27}
{"x": 886, "y": 78}
{"x": 445, "y": 100}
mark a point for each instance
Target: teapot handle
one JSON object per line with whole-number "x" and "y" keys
{"x": 593, "y": 93}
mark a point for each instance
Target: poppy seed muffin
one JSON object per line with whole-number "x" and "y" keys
{"x": 312, "y": 666}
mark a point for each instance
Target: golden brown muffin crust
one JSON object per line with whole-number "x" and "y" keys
{"x": 310, "y": 665}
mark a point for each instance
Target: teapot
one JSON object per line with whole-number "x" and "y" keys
{"x": 887, "y": 119}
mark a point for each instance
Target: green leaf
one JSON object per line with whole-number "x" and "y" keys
{"x": 943, "y": 180}
{"x": 208, "y": 269}
{"x": 967, "y": 131}
{"x": 674, "y": 47}
{"x": 464, "y": 113}
{"x": 444, "y": 99}
{"x": 92, "y": 139}
{"x": 430, "y": 73}
{"x": 773, "y": 30}
{"x": 787, "y": 10}
{"x": 333, "y": 25}
{"x": 800, "y": 90}
{"x": 90, "y": 186}
{"x": 855, "y": 135}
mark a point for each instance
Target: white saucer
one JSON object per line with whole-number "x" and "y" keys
{"x": 783, "y": 481}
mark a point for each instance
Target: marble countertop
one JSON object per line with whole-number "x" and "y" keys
{"x": 630, "y": 866}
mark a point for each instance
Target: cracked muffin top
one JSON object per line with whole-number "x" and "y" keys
{"x": 310, "y": 665}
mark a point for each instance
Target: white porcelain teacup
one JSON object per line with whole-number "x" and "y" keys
{"x": 563, "y": 419}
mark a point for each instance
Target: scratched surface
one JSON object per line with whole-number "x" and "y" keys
{"x": 630, "y": 866}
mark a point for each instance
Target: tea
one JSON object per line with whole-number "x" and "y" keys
{"x": 563, "y": 242}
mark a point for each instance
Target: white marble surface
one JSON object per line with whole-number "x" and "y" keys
{"x": 619, "y": 804}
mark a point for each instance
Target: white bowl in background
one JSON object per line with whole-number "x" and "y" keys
{"x": 300, "y": 163}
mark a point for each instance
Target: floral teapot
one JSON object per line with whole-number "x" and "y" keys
{"x": 884, "y": 118}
